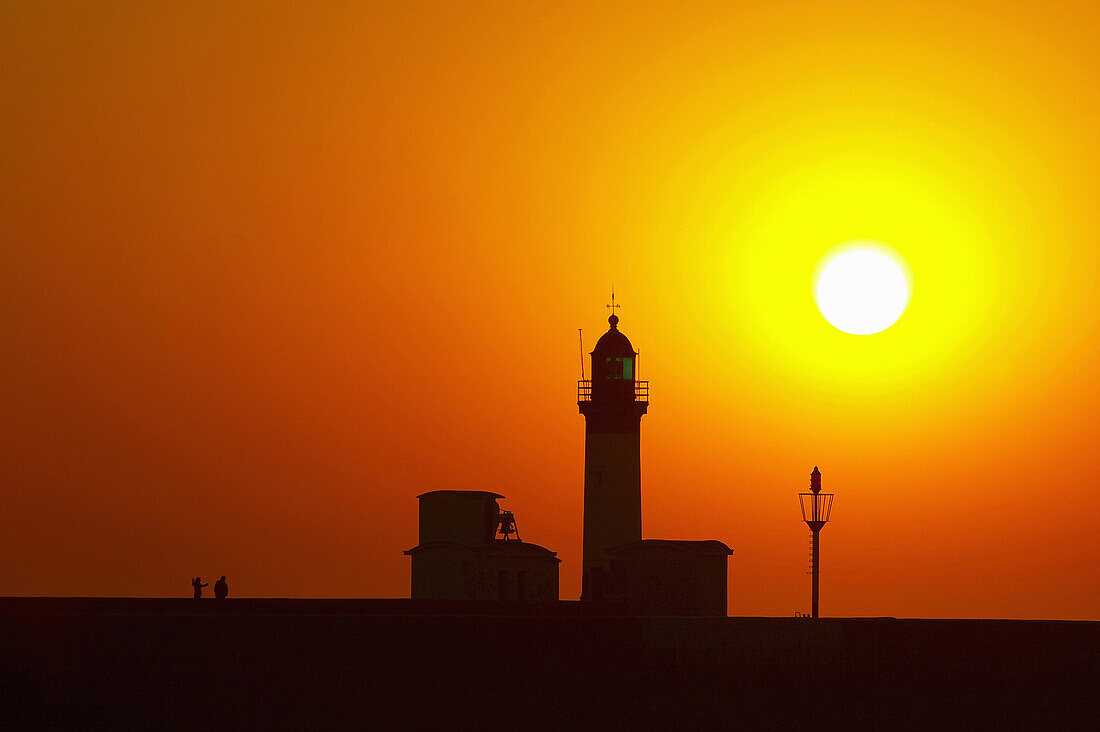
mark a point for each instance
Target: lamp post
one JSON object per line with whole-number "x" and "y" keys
{"x": 816, "y": 507}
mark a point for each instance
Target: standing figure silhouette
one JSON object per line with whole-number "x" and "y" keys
{"x": 221, "y": 589}
{"x": 198, "y": 584}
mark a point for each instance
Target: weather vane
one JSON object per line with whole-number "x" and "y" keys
{"x": 612, "y": 305}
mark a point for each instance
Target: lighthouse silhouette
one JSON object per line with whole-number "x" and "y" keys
{"x": 612, "y": 403}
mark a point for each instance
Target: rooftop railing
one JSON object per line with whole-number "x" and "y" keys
{"x": 584, "y": 390}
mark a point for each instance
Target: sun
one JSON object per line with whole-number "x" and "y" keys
{"x": 862, "y": 287}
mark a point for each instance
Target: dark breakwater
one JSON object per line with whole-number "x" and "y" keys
{"x": 401, "y": 664}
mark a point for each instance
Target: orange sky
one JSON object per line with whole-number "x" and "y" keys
{"x": 271, "y": 271}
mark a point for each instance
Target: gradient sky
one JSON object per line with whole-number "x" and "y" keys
{"x": 272, "y": 270}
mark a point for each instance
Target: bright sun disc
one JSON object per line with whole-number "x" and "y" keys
{"x": 862, "y": 289}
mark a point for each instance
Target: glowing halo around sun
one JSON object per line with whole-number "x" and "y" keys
{"x": 862, "y": 287}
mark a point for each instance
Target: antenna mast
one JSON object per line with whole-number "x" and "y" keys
{"x": 580, "y": 339}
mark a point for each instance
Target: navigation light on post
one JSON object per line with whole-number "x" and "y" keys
{"x": 816, "y": 507}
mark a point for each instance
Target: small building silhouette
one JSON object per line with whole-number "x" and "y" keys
{"x": 667, "y": 577}
{"x": 461, "y": 557}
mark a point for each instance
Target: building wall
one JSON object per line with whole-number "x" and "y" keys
{"x": 437, "y": 575}
{"x": 453, "y": 572}
{"x": 671, "y": 583}
{"x": 524, "y": 578}
{"x": 464, "y": 517}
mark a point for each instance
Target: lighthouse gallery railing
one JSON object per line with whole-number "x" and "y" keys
{"x": 584, "y": 390}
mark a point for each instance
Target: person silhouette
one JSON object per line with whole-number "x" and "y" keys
{"x": 221, "y": 589}
{"x": 198, "y": 584}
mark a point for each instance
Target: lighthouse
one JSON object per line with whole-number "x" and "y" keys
{"x": 612, "y": 402}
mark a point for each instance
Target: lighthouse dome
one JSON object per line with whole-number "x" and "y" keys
{"x": 613, "y": 343}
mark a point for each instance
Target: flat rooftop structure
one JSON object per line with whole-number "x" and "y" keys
{"x": 79, "y": 662}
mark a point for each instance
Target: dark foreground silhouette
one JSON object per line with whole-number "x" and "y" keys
{"x": 197, "y": 584}
{"x": 405, "y": 664}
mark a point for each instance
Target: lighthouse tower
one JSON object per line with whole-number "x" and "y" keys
{"x": 612, "y": 402}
